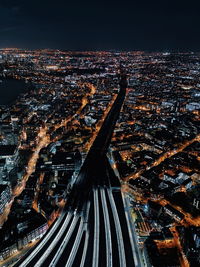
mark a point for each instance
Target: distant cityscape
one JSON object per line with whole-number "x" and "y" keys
{"x": 47, "y": 132}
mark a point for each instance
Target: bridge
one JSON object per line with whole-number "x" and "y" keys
{"x": 95, "y": 228}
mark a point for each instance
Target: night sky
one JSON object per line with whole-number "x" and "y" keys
{"x": 96, "y": 25}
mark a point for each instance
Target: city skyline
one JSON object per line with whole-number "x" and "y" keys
{"x": 99, "y": 133}
{"x": 99, "y": 159}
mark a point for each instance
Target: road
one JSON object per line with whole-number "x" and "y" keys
{"x": 163, "y": 157}
{"x": 94, "y": 229}
{"x": 42, "y": 140}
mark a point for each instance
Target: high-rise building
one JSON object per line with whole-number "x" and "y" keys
{"x": 5, "y": 196}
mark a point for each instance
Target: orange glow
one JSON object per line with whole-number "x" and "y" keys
{"x": 163, "y": 157}
{"x": 42, "y": 140}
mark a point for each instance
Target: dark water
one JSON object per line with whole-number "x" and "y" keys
{"x": 10, "y": 89}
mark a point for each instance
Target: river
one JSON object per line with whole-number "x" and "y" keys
{"x": 10, "y": 89}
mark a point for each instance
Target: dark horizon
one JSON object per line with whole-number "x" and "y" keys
{"x": 89, "y": 25}
{"x": 145, "y": 51}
